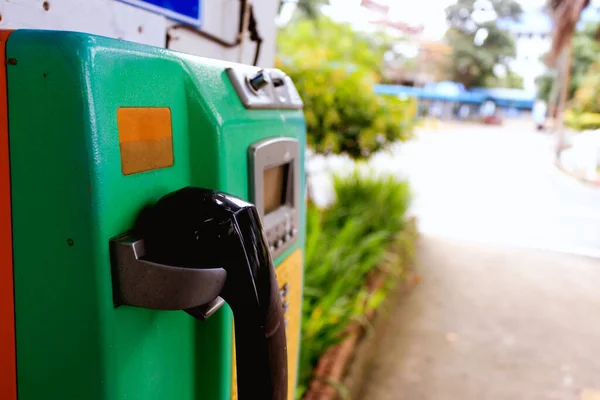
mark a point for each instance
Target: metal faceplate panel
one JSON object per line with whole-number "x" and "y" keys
{"x": 280, "y": 226}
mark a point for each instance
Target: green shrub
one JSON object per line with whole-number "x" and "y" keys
{"x": 309, "y": 43}
{"x": 335, "y": 69}
{"x": 587, "y": 96}
{"x": 582, "y": 120}
{"x": 382, "y": 201}
{"x": 345, "y": 242}
{"x": 585, "y": 108}
{"x": 343, "y": 113}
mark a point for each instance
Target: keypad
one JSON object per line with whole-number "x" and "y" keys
{"x": 282, "y": 232}
{"x": 281, "y": 235}
{"x": 280, "y": 238}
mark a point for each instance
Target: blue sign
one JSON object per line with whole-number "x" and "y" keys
{"x": 186, "y": 11}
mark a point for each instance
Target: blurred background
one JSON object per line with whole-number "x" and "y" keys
{"x": 453, "y": 227}
{"x": 485, "y": 114}
{"x": 475, "y": 121}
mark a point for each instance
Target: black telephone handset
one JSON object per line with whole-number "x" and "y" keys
{"x": 195, "y": 228}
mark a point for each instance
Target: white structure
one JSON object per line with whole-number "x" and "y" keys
{"x": 582, "y": 159}
{"x": 115, "y": 19}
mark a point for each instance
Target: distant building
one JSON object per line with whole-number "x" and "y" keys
{"x": 449, "y": 100}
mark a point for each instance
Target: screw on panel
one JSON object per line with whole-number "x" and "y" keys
{"x": 140, "y": 29}
{"x": 46, "y": 5}
{"x": 70, "y": 242}
{"x": 12, "y": 61}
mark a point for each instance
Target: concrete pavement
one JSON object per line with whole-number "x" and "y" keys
{"x": 510, "y": 301}
{"x": 492, "y": 322}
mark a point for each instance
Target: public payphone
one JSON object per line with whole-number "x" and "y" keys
{"x": 145, "y": 195}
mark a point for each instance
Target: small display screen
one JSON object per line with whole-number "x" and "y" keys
{"x": 275, "y": 187}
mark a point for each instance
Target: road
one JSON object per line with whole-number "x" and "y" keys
{"x": 497, "y": 185}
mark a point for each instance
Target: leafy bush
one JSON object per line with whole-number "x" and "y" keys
{"x": 585, "y": 110}
{"x": 344, "y": 115}
{"x": 585, "y": 107}
{"x": 335, "y": 69}
{"x": 544, "y": 86}
{"x": 586, "y": 50}
{"x": 582, "y": 120}
{"x": 587, "y": 96}
{"x": 345, "y": 242}
{"x": 310, "y": 43}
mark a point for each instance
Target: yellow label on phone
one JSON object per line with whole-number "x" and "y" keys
{"x": 289, "y": 278}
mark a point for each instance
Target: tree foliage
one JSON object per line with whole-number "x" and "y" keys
{"x": 586, "y": 52}
{"x": 310, "y": 8}
{"x": 587, "y": 96}
{"x": 585, "y": 73}
{"x": 310, "y": 43}
{"x": 510, "y": 80}
{"x": 477, "y": 43}
{"x": 335, "y": 70}
{"x": 544, "y": 86}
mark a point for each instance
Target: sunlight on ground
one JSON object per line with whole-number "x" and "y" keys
{"x": 590, "y": 394}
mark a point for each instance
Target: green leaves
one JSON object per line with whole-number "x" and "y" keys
{"x": 510, "y": 80}
{"x": 585, "y": 70}
{"x": 310, "y": 8}
{"x": 344, "y": 115}
{"x": 473, "y": 64}
{"x": 344, "y": 243}
{"x": 335, "y": 69}
{"x": 313, "y": 43}
{"x": 585, "y": 79}
{"x": 586, "y": 53}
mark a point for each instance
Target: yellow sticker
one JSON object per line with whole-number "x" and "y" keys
{"x": 145, "y": 138}
{"x": 289, "y": 278}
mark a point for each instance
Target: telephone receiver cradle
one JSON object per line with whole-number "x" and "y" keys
{"x": 196, "y": 249}
{"x": 143, "y": 283}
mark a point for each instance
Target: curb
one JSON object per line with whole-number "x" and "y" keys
{"x": 358, "y": 370}
{"x": 587, "y": 182}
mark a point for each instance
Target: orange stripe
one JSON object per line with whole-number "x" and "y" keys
{"x": 8, "y": 362}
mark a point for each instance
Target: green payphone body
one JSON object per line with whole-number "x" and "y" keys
{"x": 98, "y": 131}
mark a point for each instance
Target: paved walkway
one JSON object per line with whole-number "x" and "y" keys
{"x": 492, "y": 322}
